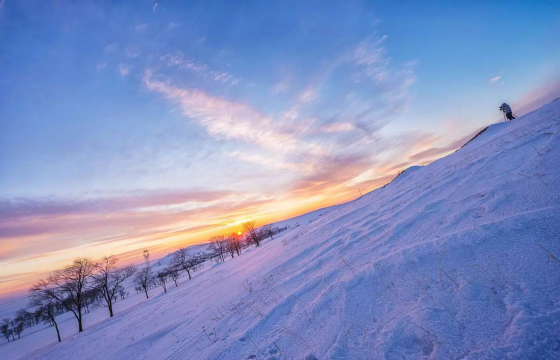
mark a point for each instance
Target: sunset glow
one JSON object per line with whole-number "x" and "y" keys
{"x": 128, "y": 127}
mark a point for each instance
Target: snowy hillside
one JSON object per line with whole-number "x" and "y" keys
{"x": 303, "y": 219}
{"x": 450, "y": 260}
{"x": 192, "y": 250}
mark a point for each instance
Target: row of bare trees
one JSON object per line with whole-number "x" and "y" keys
{"x": 85, "y": 282}
{"x": 10, "y": 327}
{"x": 181, "y": 260}
{"x": 46, "y": 313}
{"x": 221, "y": 246}
{"x": 78, "y": 285}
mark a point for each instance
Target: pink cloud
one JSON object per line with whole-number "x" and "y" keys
{"x": 538, "y": 96}
{"x": 432, "y": 153}
{"x": 130, "y": 201}
{"x": 225, "y": 119}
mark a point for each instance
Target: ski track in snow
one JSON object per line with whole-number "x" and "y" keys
{"x": 446, "y": 262}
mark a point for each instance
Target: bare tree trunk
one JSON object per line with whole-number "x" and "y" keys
{"x": 80, "y": 327}
{"x": 57, "y": 331}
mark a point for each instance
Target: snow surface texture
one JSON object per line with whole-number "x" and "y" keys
{"x": 448, "y": 261}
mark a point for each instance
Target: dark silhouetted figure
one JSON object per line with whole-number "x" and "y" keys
{"x": 506, "y": 109}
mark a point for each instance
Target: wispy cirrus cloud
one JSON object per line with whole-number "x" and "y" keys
{"x": 178, "y": 59}
{"x": 498, "y": 77}
{"x": 111, "y": 48}
{"x": 371, "y": 55}
{"x": 125, "y": 69}
{"x": 376, "y": 89}
{"x": 279, "y": 87}
{"x": 132, "y": 51}
{"x": 226, "y": 119}
{"x": 172, "y": 25}
{"x": 307, "y": 96}
{"x": 129, "y": 201}
{"x": 331, "y": 129}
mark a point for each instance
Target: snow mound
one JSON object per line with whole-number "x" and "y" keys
{"x": 451, "y": 261}
{"x": 403, "y": 175}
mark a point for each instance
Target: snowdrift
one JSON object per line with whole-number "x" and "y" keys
{"x": 457, "y": 259}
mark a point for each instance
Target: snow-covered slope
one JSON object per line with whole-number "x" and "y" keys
{"x": 192, "y": 250}
{"x": 450, "y": 261}
{"x": 304, "y": 219}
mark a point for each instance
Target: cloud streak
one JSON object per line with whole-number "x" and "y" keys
{"x": 132, "y": 201}
{"x": 226, "y": 119}
{"x": 178, "y": 59}
{"x": 125, "y": 69}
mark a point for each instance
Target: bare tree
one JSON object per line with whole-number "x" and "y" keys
{"x": 251, "y": 233}
{"x": 70, "y": 284}
{"x": 21, "y": 321}
{"x": 91, "y": 298}
{"x": 235, "y": 239}
{"x": 6, "y": 329}
{"x": 48, "y": 314}
{"x": 144, "y": 279}
{"x": 25, "y": 316}
{"x": 185, "y": 261}
{"x": 268, "y": 231}
{"x": 230, "y": 245}
{"x": 123, "y": 294}
{"x": 173, "y": 274}
{"x": 17, "y": 327}
{"x": 219, "y": 247}
{"x": 108, "y": 278}
{"x": 42, "y": 298}
{"x": 161, "y": 279}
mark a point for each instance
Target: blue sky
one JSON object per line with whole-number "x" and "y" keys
{"x": 148, "y": 124}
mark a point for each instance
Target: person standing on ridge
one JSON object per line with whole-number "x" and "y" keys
{"x": 506, "y": 109}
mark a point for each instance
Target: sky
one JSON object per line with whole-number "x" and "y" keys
{"x": 152, "y": 125}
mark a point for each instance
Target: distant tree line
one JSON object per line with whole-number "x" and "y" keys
{"x": 87, "y": 284}
{"x": 77, "y": 288}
